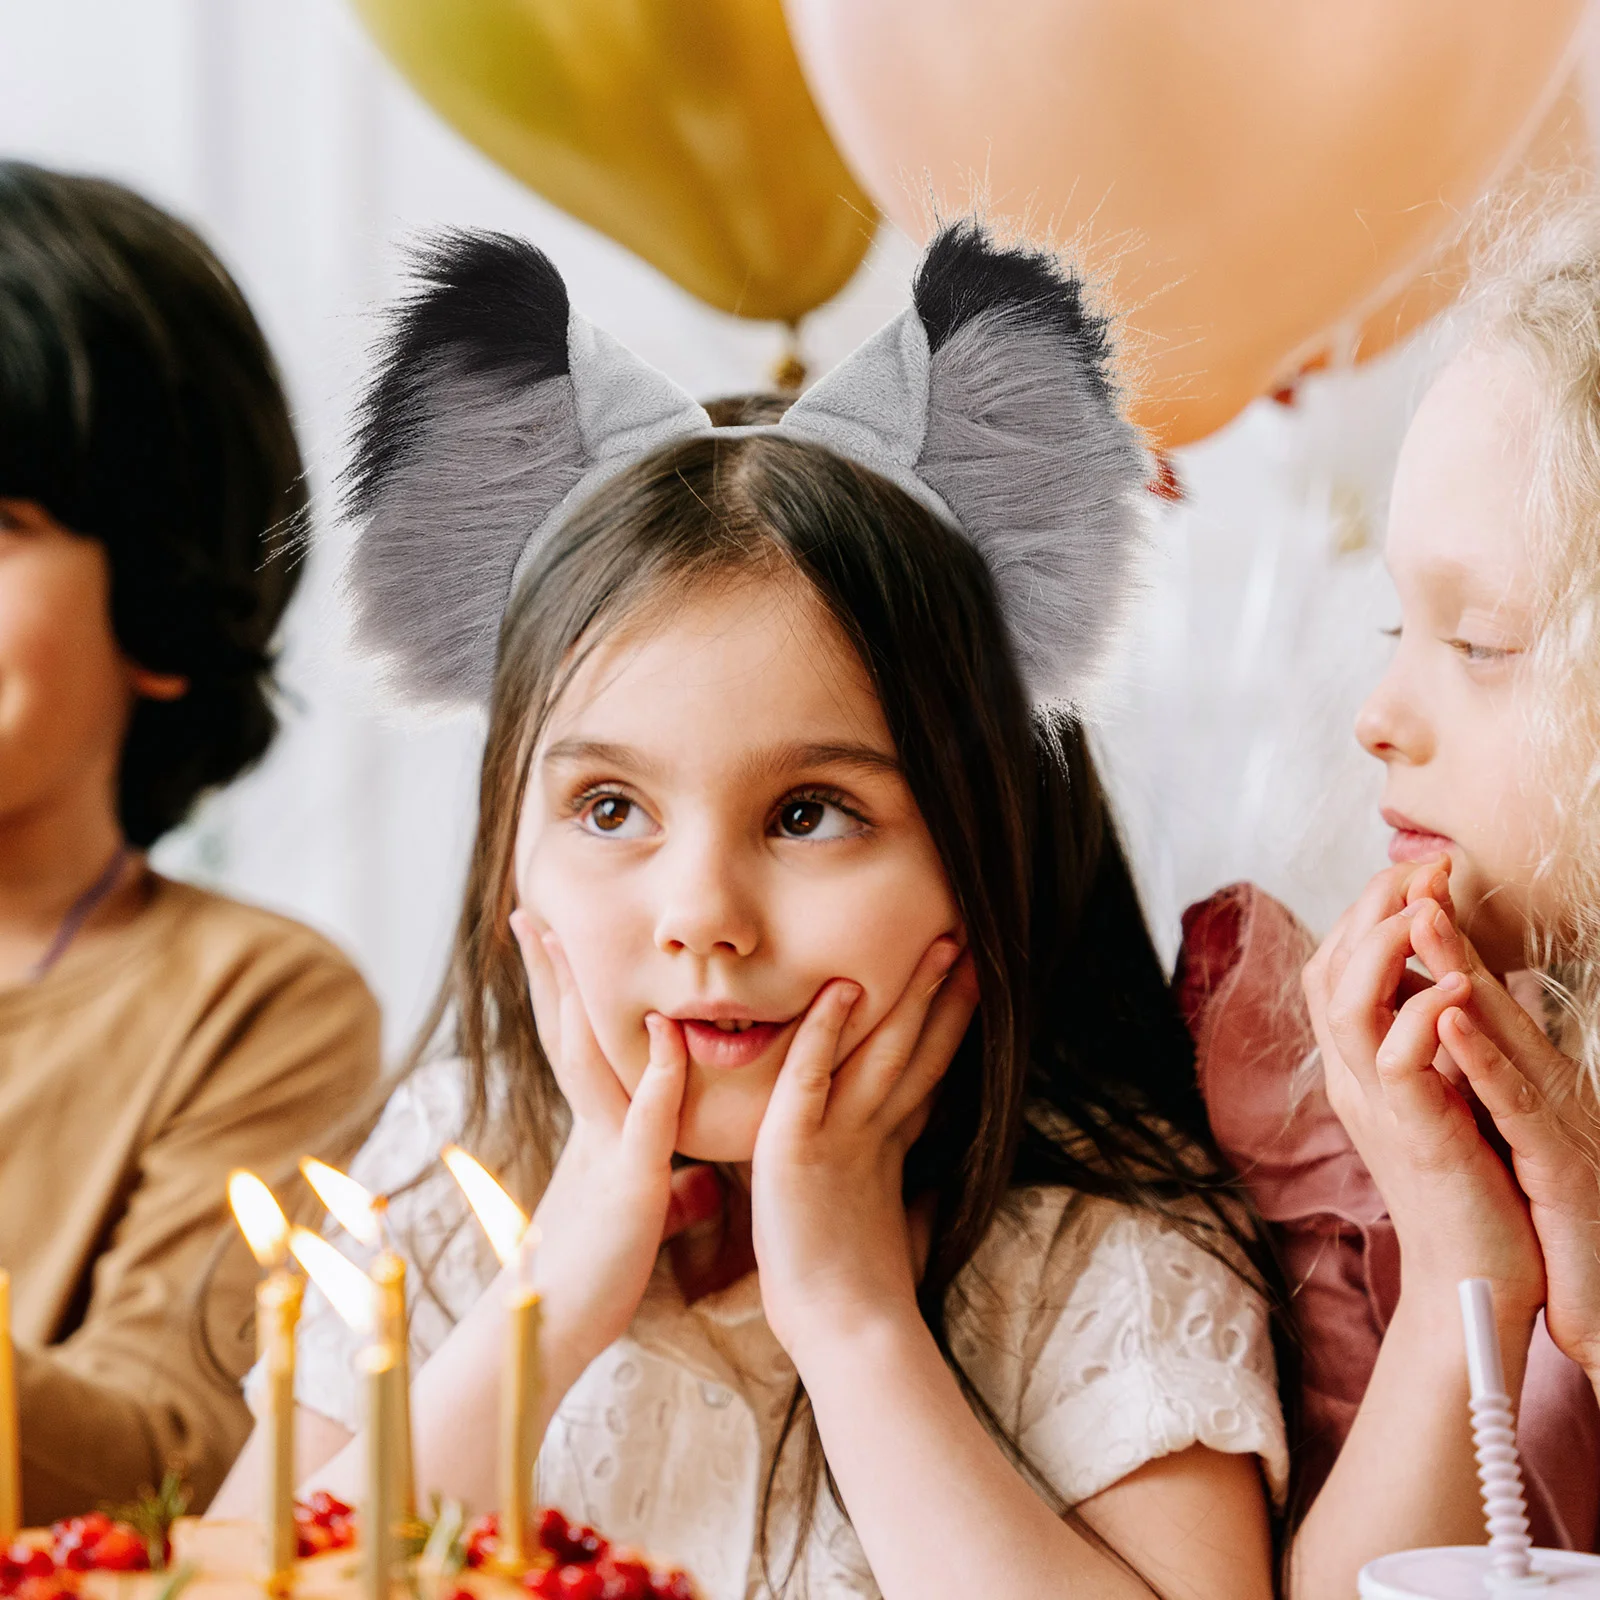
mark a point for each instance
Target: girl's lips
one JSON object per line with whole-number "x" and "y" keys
{"x": 1411, "y": 843}
{"x": 1407, "y": 844}
{"x": 711, "y": 1046}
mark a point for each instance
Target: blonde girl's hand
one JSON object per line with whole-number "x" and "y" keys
{"x": 1457, "y": 1211}
{"x": 613, "y": 1196}
{"x": 834, "y": 1243}
{"x": 1538, "y": 1101}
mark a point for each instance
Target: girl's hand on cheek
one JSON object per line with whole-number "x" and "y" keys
{"x": 832, "y": 1237}
{"x": 612, "y": 1194}
{"x": 1456, "y": 1210}
{"x": 1534, "y": 1094}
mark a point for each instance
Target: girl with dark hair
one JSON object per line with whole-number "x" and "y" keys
{"x": 152, "y": 1036}
{"x": 790, "y": 828}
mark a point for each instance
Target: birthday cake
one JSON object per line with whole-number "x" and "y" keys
{"x": 96, "y": 1557}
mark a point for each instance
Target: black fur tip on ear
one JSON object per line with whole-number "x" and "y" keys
{"x": 495, "y": 301}
{"x": 1026, "y": 445}
{"x": 486, "y": 305}
{"x": 965, "y": 273}
{"x": 466, "y": 440}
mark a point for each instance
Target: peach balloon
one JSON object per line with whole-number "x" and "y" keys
{"x": 1247, "y": 173}
{"x": 681, "y": 128}
{"x": 1560, "y": 152}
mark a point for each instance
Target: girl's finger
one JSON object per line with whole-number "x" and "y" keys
{"x": 586, "y": 1078}
{"x": 1518, "y": 1036}
{"x": 1412, "y": 1042}
{"x": 1412, "y": 1089}
{"x": 800, "y": 1096}
{"x": 1383, "y": 898}
{"x": 1361, "y": 1009}
{"x": 1529, "y": 1123}
{"x": 542, "y": 989}
{"x": 868, "y": 1077}
{"x": 942, "y": 1033}
{"x": 1443, "y": 946}
{"x": 650, "y": 1126}
{"x": 1436, "y": 939}
{"x": 1431, "y": 881}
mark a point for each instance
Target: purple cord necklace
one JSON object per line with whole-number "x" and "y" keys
{"x": 79, "y": 913}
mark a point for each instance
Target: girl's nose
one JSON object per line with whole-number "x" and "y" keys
{"x": 705, "y": 910}
{"x": 1390, "y": 729}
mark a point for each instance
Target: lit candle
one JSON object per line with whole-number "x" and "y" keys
{"x": 10, "y": 1444}
{"x": 354, "y": 1296}
{"x": 361, "y": 1215}
{"x": 507, "y": 1228}
{"x": 277, "y": 1313}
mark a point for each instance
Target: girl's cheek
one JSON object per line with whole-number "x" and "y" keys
{"x": 601, "y": 972}
{"x": 876, "y": 936}
{"x": 598, "y": 942}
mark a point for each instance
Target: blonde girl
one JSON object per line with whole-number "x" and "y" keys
{"x": 1476, "y": 1114}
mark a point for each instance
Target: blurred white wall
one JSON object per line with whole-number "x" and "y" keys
{"x": 277, "y": 130}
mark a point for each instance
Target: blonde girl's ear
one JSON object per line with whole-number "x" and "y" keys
{"x": 492, "y": 410}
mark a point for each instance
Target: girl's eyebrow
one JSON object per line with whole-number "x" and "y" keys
{"x": 773, "y": 761}
{"x": 599, "y": 753}
{"x": 780, "y": 759}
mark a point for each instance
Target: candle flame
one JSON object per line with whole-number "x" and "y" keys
{"x": 259, "y": 1218}
{"x": 501, "y": 1216}
{"x": 349, "y": 1290}
{"x": 348, "y": 1203}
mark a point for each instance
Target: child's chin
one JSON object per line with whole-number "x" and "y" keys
{"x": 716, "y": 1144}
{"x": 721, "y": 1117}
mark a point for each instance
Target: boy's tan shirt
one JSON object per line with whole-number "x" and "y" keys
{"x": 206, "y": 1035}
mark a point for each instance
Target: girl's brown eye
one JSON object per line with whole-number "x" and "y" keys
{"x": 610, "y": 813}
{"x": 801, "y": 818}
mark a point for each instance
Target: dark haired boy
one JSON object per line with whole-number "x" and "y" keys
{"x": 152, "y": 1036}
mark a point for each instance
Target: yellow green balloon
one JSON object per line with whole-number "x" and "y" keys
{"x": 681, "y": 128}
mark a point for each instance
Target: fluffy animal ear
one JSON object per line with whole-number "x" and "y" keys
{"x": 493, "y": 410}
{"x": 992, "y": 402}
{"x": 1025, "y": 443}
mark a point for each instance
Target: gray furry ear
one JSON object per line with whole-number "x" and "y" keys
{"x": 493, "y": 410}
{"x": 467, "y": 436}
{"x": 1024, "y": 442}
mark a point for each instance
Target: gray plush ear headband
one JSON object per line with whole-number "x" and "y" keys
{"x": 496, "y": 410}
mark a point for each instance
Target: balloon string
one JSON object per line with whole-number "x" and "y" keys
{"x": 789, "y": 371}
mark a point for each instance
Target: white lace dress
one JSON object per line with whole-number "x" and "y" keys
{"x": 1100, "y": 1338}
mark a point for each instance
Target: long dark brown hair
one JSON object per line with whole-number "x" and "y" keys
{"x": 1078, "y": 1069}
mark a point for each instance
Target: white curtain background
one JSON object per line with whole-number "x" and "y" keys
{"x": 277, "y": 129}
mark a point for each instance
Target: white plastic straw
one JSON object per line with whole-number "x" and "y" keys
{"x": 1494, "y": 1436}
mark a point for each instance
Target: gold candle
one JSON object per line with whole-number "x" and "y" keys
{"x": 521, "y": 1396}
{"x": 278, "y": 1298}
{"x": 354, "y": 1296}
{"x": 361, "y": 1215}
{"x": 277, "y": 1313}
{"x": 381, "y": 1374}
{"x": 389, "y": 1274}
{"x": 10, "y": 1443}
{"x": 519, "y": 1443}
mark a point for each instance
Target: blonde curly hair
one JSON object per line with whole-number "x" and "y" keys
{"x": 1534, "y": 295}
